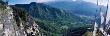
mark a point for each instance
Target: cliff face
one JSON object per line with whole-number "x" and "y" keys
{"x": 7, "y": 21}
{"x": 25, "y": 22}
{"x": 14, "y": 22}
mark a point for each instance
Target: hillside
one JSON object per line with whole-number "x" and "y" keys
{"x": 53, "y": 21}
{"x": 77, "y": 7}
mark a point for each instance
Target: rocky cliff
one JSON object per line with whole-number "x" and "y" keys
{"x": 14, "y": 22}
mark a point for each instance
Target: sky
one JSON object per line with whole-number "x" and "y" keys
{"x": 103, "y": 2}
{"x": 20, "y": 1}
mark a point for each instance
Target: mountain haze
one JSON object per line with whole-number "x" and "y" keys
{"x": 78, "y": 7}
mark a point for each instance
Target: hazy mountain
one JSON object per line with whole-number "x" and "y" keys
{"x": 78, "y": 7}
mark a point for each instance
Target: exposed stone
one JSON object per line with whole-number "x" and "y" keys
{"x": 9, "y": 24}
{"x": 1, "y": 26}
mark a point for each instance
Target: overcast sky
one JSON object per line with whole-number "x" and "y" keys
{"x": 42, "y": 1}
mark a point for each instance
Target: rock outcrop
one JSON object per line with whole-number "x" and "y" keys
{"x": 12, "y": 24}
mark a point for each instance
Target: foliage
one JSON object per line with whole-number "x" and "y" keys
{"x": 21, "y": 12}
{"x": 52, "y": 21}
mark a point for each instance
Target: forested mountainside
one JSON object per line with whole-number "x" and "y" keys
{"x": 55, "y": 22}
{"x": 15, "y": 22}
{"x": 79, "y": 7}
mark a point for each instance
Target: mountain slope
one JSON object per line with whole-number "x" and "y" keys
{"x": 53, "y": 21}
{"x": 44, "y": 12}
{"x": 77, "y": 7}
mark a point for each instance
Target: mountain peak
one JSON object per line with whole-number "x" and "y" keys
{"x": 33, "y": 3}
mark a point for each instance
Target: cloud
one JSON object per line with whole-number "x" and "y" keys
{"x": 42, "y": 1}
{"x": 12, "y": 2}
{"x": 74, "y": 0}
{"x": 101, "y": 2}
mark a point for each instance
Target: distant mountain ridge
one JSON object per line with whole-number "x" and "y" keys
{"x": 40, "y": 10}
{"x": 78, "y": 7}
